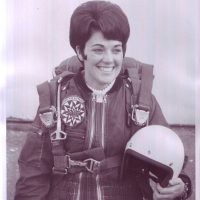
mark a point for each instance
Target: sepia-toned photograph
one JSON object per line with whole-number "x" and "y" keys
{"x": 100, "y": 100}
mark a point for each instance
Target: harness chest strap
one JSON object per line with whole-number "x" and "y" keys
{"x": 67, "y": 164}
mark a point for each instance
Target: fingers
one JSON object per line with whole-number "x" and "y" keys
{"x": 156, "y": 193}
{"x": 175, "y": 188}
{"x": 161, "y": 193}
{"x": 175, "y": 181}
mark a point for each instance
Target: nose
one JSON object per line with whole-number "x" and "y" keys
{"x": 108, "y": 57}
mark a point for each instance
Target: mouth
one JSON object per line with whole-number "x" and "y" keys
{"x": 106, "y": 69}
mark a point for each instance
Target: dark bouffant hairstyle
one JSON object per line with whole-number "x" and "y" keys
{"x": 98, "y": 15}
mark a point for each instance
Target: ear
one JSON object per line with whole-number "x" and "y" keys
{"x": 79, "y": 53}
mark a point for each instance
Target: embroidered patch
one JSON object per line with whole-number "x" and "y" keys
{"x": 72, "y": 110}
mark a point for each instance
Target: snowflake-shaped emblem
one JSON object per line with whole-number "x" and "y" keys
{"x": 72, "y": 110}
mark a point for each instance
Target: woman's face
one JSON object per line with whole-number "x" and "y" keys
{"x": 103, "y": 60}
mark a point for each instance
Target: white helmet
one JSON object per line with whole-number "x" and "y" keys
{"x": 159, "y": 149}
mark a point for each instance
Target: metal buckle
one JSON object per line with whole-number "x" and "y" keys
{"x": 70, "y": 162}
{"x": 92, "y": 165}
{"x": 58, "y": 135}
{"x": 47, "y": 118}
{"x": 140, "y": 115}
{"x": 58, "y": 171}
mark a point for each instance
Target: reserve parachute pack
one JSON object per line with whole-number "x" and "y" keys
{"x": 138, "y": 82}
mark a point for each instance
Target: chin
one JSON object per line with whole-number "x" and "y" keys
{"x": 107, "y": 81}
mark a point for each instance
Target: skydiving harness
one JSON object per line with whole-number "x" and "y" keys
{"x": 139, "y": 80}
{"x": 139, "y": 83}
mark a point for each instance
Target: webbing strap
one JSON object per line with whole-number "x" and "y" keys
{"x": 46, "y": 110}
{"x": 142, "y": 83}
{"x": 44, "y": 96}
{"x": 144, "y": 100}
{"x": 47, "y": 91}
{"x": 110, "y": 162}
{"x": 135, "y": 80}
{"x": 95, "y": 153}
{"x": 139, "y": 101}
{"x": 92, "y": 160}
{"x": 65, "y": 164}
{"x": 98, "y": 154}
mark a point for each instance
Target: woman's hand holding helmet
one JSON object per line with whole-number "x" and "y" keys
{"x": 173, "y": 190}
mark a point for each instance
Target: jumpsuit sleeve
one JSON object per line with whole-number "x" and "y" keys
{"x": 35, "y": 165}
{"x": 156, "y": 116}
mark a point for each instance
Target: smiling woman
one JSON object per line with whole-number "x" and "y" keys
{"x": 85, "y": 119}
{"x": 99, "y": 37}
{"x": 103, "y": 61}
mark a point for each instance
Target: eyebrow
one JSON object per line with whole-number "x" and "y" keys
{"x": 117, "y": 45}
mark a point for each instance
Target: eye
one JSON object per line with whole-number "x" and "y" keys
{"x": 98, "y": 50}
{"x": 117, "y": 50}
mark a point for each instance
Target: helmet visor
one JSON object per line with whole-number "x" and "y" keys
{"x": 158, "y": 172}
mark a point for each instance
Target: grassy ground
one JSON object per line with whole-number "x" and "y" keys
{"x": 16, "y": 136}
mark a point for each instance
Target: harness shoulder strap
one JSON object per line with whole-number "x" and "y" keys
{"x": 44, "y": 96}
{"x": 146, "y": 86}
{"x": 47, "y": 92}
{"x": 49, "y": 113}
{"x": 140, "y": 77}
{"x": 46, "y": 109}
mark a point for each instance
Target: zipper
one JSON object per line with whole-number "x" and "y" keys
{"x": 92, "y": 128}
{"x": 79, "y": 186}
{"x": 92, "y": 124}
{"x": 99, "y": 194}
{"x": 92, "y": 132}
{"x": 104, "y": 103}
{"x": 103, "y": 121}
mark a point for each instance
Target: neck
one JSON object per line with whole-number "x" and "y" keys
{"x": 98, "y": 88}
{"x": 102, "y": 90}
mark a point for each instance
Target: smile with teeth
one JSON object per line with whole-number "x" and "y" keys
{"x": 106, "y": 69}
